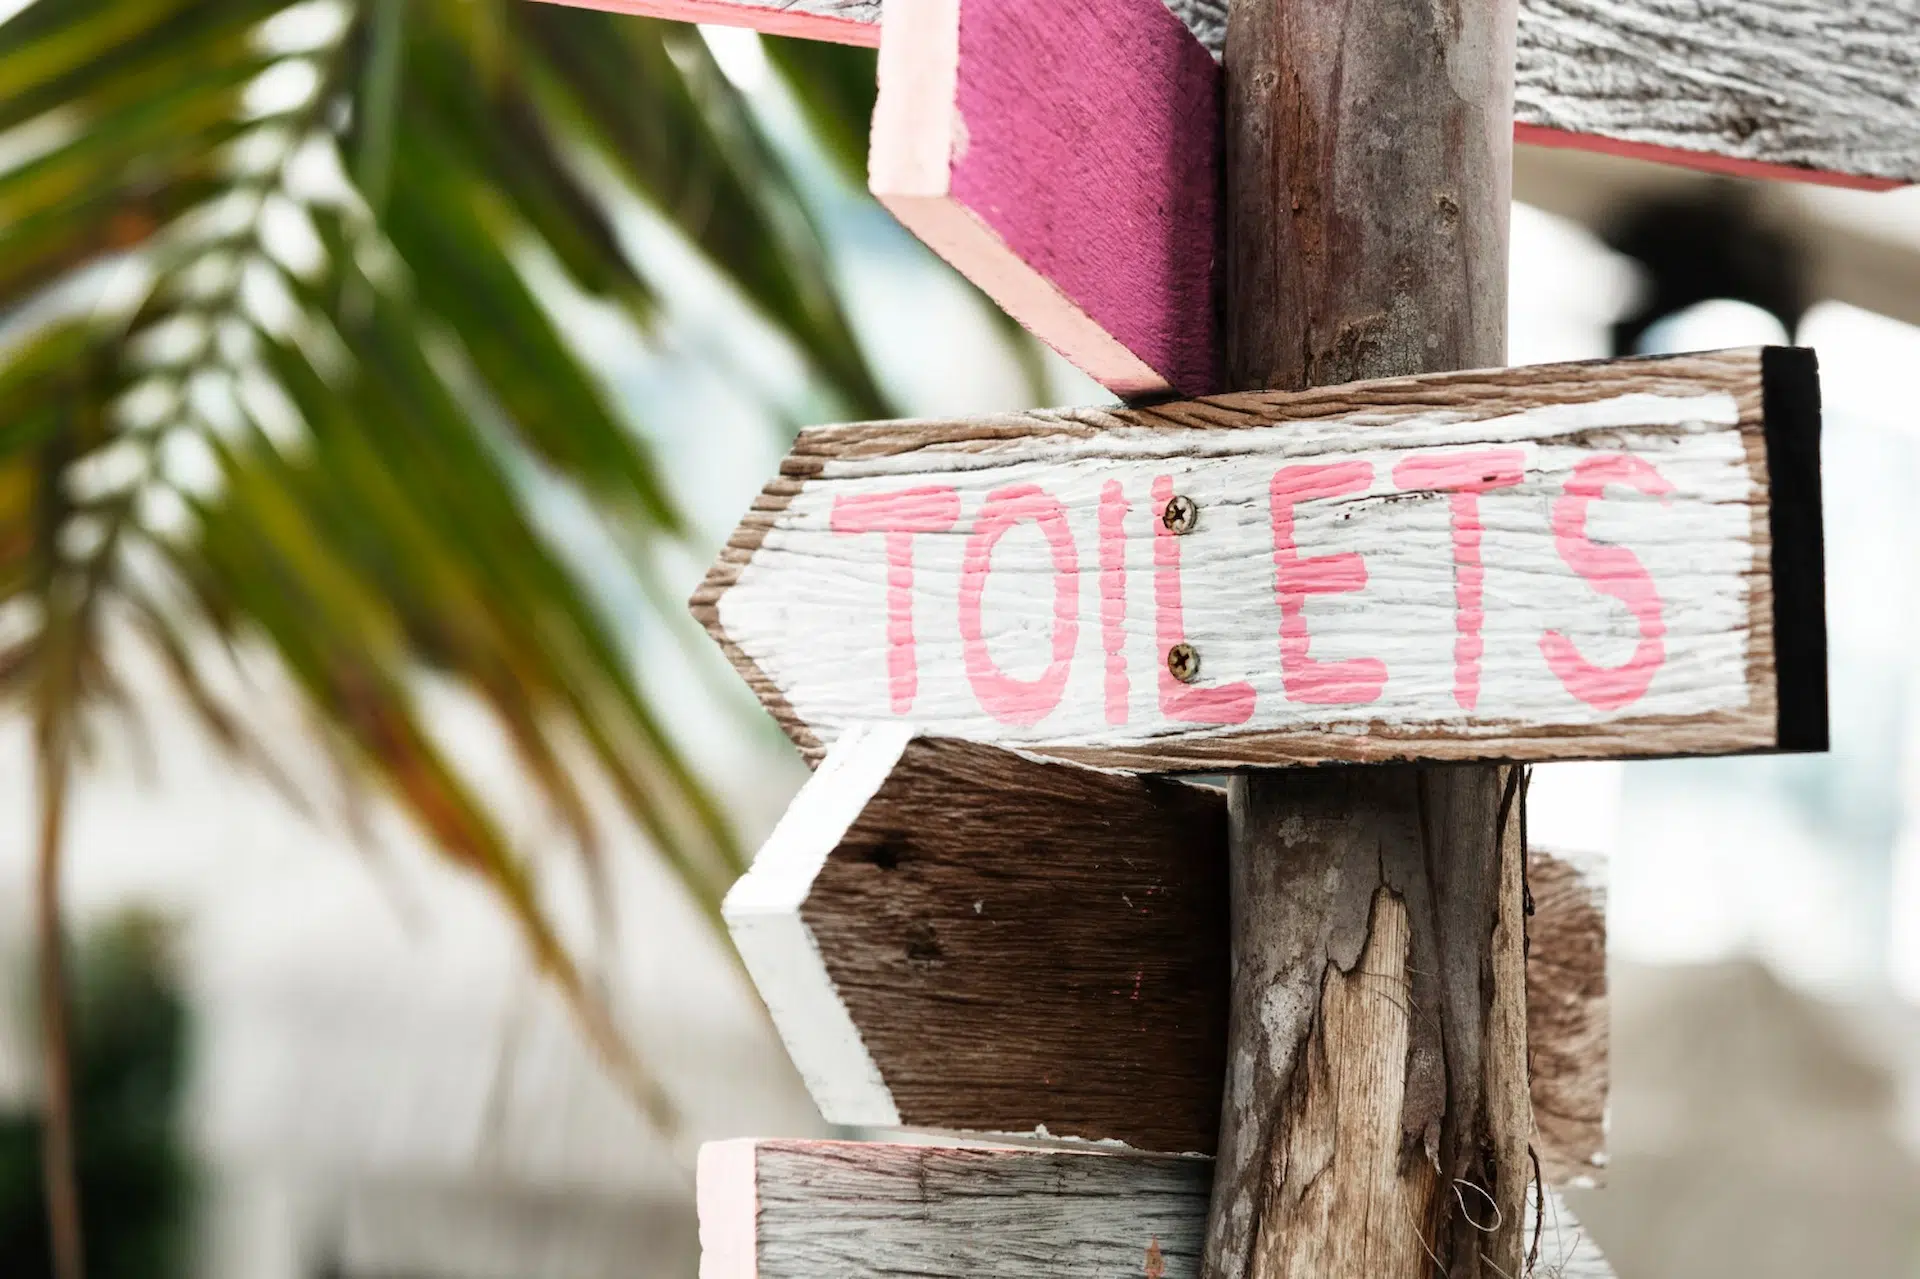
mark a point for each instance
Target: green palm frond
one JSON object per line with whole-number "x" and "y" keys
{"x": 275, "y": 369}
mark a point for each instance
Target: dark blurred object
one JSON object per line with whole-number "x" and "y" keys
{"x": 136, "y": 1181}
{"x": 1705, "y": 243}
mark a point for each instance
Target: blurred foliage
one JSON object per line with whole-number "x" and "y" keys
{"x": 276, "y": 373}
{"x": 135, "y": 1178}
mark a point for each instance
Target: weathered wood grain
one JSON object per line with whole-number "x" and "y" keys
{"x": 1567, "y": 1017}
{"x": 859, "y": 1210}
{"x": 1065, "y": 157}
{"x": 1375, "y": 1118}
{"x": 1816, "y": 90}
{"x": 950, "y": 937}
{"x": 1820, "y": 89}
{"x": 1377, "y": 1038}
{"x": 1640, "y": 577}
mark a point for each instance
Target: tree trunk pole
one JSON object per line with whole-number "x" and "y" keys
{"x": 1376, "y": 1119}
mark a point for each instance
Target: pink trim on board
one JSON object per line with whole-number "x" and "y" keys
{"x": 910, "y": 145}
{"x": 727, "y": 1196}
{"x": 1611, "y": 570}
{"x": 958, "y": 235}
{"x": 727, "y": 13}
{"x": 1539, "y": 135}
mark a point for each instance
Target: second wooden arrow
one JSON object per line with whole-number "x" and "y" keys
{"x": 952, "y": 937}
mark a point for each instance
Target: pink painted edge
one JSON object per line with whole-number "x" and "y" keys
{"x": 728, "y": 1198}
{"x": 956, "y": 234}
{"x": 1705, "y": 161}
{"x": 726, "y": 13}
{"x": 913, "y": 114}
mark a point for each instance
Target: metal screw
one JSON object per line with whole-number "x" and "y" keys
{"x": 1183, "y": 660}
{"x": 1181, "y": 514}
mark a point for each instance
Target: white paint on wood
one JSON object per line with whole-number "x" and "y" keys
{"x": 811, "y": 608}
{"x": 763, "y": 914}
{"x": 853, "y": 1210}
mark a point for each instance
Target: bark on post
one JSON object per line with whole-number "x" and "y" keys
{"x": 1376, "y": 1117}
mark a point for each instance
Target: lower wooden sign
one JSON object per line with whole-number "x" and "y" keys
{"x": 870, "y": 1210}
{"x": 952, "y": 937}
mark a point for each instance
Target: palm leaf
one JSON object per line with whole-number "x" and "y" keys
{"x": 276, "y": 372}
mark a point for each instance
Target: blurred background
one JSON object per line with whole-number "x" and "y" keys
{"x": 376, "y": 379}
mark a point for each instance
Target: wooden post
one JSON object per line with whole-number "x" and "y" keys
{"x": 1376, "y": 1116}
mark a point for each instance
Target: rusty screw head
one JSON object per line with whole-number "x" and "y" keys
{"x": 1181, "y": 514}
{"x": 1183, "y": 660}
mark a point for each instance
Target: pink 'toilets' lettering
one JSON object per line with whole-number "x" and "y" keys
{"x": 1227, "y": 704}
{"x": 898, "y": 515}
{"x": 1611, "y": 570}
{"x": 1355, "y": 681}
{"x": 1113, "y": 596}
{"x": 1007, "y": 699}
{"x": 1464, "y": 477}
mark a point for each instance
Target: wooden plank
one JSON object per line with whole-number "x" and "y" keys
{"x": 950, "y": 937}
{"x": 1640, "y": 577}
{"x": 1065, "y": 158}
{"x": 1816, "y": 90}
{"x": 1568, "y": 1016}
{"x": 834, "y": 21}
{"x": 870, "y": 1210}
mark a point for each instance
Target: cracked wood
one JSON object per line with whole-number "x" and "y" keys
{"x": 1375, "y": 1120}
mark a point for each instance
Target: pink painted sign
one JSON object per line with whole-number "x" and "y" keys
{"x": 1528, "y": 563}
{"x": 1065, "y": 155}
{"x": 1799, "y": 90}
{"x": 1066, "y": 158}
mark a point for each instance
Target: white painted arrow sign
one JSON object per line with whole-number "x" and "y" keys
{"x": 873, "y": 1210}
{"x": 1610, "y": 559}
{"x": 951, "y": 937}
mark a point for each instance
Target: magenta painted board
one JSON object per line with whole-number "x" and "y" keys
{"x": 1066, "y": 158}
{"x": 1807, "y": 90}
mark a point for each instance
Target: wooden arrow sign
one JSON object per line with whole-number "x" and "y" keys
{"x": 1593, "y": 560}
{"x": 1066, "y": 159}
{"x": 871, "y": 1210}
{"x": 1814, "y": 89}
{"x": 951, "y": 937}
